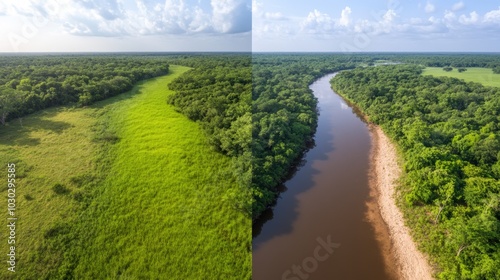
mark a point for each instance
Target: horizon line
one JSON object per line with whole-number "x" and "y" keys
{"x": 246, "y": 52}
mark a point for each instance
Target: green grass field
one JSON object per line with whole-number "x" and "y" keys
{"x": 484, "y": 76}
{"x": 143, "y": 195}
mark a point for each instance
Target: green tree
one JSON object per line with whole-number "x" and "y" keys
{"x": 9, "y": 100}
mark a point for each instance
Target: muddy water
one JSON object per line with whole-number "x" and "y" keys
{"x": 319, "y": 227}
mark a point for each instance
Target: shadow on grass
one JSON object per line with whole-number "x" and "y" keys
{"x": 17, "y": 132}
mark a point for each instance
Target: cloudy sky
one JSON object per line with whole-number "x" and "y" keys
{"x": 125, "y": 25}
{"x": 244, "y": 25}
{"x": 376, "y": 25}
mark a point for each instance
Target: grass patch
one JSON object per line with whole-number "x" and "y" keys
{"x": 147, "y": 195}
{"x": 483, "y": 76}
{"x": 47, "y": 147}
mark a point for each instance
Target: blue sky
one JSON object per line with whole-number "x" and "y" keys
{"x": 376, "y": 25}
{"x": 125, "y": 25}
{"x": 244, "y": 25}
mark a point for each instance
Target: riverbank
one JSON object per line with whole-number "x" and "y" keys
{"x": 384, "y": 172}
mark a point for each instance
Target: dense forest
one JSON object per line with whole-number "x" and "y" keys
{"x": 447, "y": 131}
{"x": 216, "y": 93}
{"x": 32, "y": 83}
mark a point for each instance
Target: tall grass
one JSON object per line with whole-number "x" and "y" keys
{"x": 50, "y": 149}
{"x": 145, "y": 197}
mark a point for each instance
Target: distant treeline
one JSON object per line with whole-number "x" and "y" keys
{"x": 449, "y": 134}
{"x": 486, "y": 60}
{"x": 32, "y": 83}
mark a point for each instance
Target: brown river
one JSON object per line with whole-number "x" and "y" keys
{"x": 319, "y": 228}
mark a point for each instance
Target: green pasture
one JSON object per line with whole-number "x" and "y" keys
{"x": 484, "y": 76}
{"x": 125, "y": 189}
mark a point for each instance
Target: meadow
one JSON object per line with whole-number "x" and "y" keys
{"x": 127, "y": 188}
{"x": 480, "y": 75}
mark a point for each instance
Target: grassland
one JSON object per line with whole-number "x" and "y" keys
{"x": 484, "y": 76}
{"x": 144, "y": 196}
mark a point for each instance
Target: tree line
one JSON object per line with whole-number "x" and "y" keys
{"x": 216, "y": 93}
{"x": 458, "y": 60}
{"x": 31, "y": 83}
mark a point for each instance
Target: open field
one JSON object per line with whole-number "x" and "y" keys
{"x": 143, "y": 194}
{"x": 484, "y": 76}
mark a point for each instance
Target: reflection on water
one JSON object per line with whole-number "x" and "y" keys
{"x": 343, "y": 106}
{"x": 318, "y": 229}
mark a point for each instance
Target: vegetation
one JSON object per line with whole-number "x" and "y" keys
{"x": 440, "y": 60}
{"x": 265, "y": 130}
{"x": 51, "y": 149}
{"x": 125, "y": 188}
{"x": 162, "y": 180}
{"x": 43, "y": 81}
{"x": 448, "y": 134}
{"x": 284, "y": 109}
{"x": 474, "y": 74}
{"x": 216, "y": 93}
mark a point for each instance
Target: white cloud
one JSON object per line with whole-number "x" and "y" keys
{"x": 449, "y": 16}
{"x": 323, "y": 25}
{"x": 3, "y": 9}
{"x": 274, "y": 16}
{"x": 385, "y": 25}
{"x": 276, "y": 29}
{"x": 256, "y": 6}
{"x": 458, "y": 6}
{"x": 472, "y": 19}
{"x": 492, "y": 16}
{"x": 389, "y": 16}
{"x": 345, "y": 17}
{"x": 231, "y": 16}
{"x": 429, "y": 8}
{"x": 139, "y": 17}
{"x": 317, "y": 22}
{"x": 271, "y": 24}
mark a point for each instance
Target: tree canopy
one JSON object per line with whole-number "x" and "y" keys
{"x": 40, "y": 82}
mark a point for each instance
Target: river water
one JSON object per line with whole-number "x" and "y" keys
{"x": 319, "y": 227}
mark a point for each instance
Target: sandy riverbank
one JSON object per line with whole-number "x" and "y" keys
{"x": 411, "y": 263}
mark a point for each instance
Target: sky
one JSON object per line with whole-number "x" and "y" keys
{"x": 249, "y": 25}
{"x": 376, "y": 25}
{"x": 125, "y": 25}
